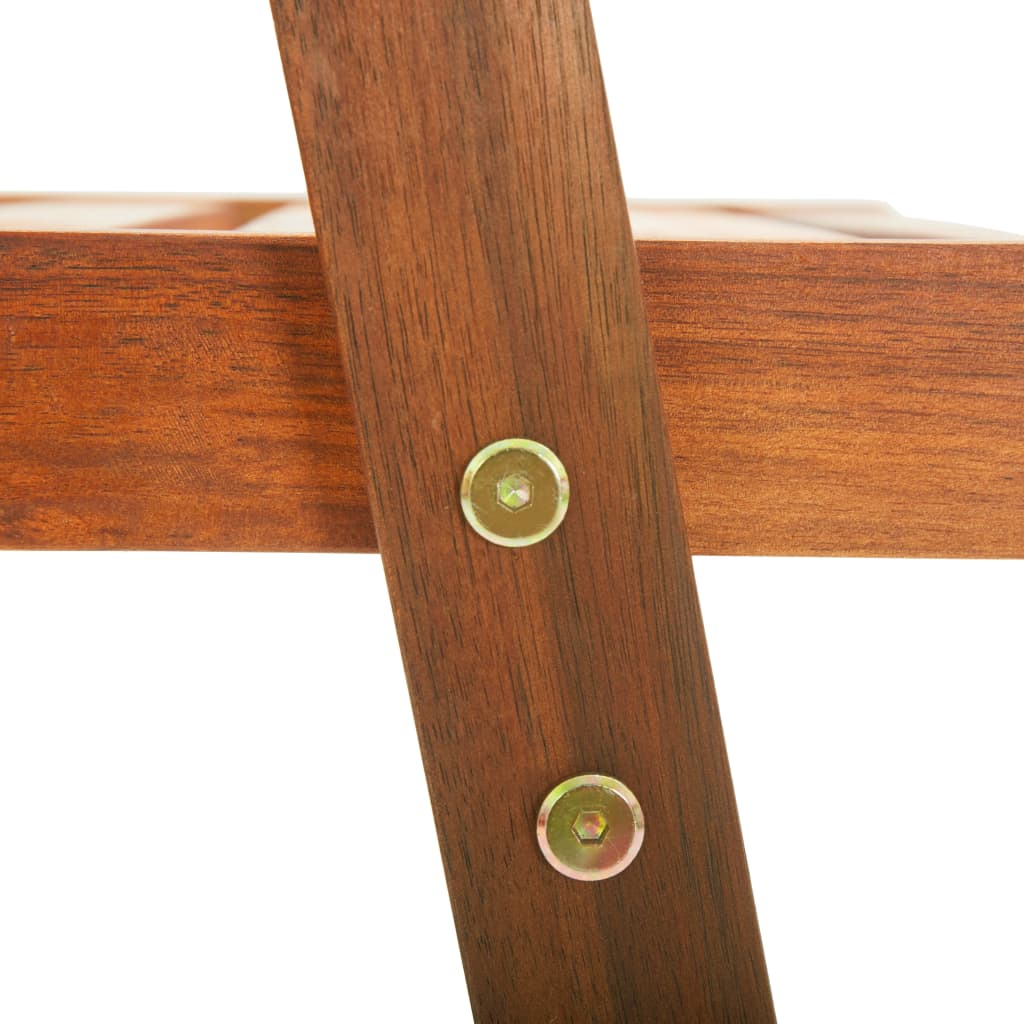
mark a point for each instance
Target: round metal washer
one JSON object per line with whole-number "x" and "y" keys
{"x": 590, "y": 827}
{"x": 515, "y": 492}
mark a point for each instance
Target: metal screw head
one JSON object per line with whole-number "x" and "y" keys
{"x": 515, "y": 492}
{"x": 590, "y": 827}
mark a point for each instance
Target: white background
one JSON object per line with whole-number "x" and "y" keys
{"x": 192, "y": 746}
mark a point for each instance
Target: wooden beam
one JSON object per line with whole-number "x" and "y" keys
{"x": 112, "y": 213}
{"x": 184, "y": 391}
{"x": 652, "y": 219}
{"x": 478, "y": 256}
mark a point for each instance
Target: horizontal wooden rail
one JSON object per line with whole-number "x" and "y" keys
{"x": 747, "y": 220}
{"x": 184, "y": 391}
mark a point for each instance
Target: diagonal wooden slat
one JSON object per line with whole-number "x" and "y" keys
{"x": 478, "y": 256}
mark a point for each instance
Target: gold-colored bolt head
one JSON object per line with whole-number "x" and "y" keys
{"x": 590, "y": 827}
{"x": 515, "y": 492}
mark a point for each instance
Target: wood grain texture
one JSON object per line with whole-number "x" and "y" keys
{"x": 184, "y": 391}
{"x": 652, "y": 219}
{"x": 478, "y": 256}
{"x": 163, "y": 391}
{"x": 105, "y": 212}
{"x": 847, "y": 402}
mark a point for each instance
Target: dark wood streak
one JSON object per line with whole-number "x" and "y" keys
{"x": 463, "y": 179}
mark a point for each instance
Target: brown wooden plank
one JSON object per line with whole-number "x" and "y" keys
{"x": 293, "y": 218}
{"x": 660, "y": 220}
{"x": 480, "y": 263}
{"x": 216, "y": 215}
{"x": 104, "y": 212}
{"x": 173, "y": 391}
{"x": 57, "y": 213}
{"x": 652, "y": 219}
{"x": 875, "y": 221}
{"x": 846, "y": 401}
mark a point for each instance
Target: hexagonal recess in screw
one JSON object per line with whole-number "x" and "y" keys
{"x": 590, "y": 827}
{"x": 515, "y": 492}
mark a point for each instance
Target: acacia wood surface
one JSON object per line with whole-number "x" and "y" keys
{"x": 651, "y": 219}
{"x": 478, "y": 256}
{"x": 184, "y": 391}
